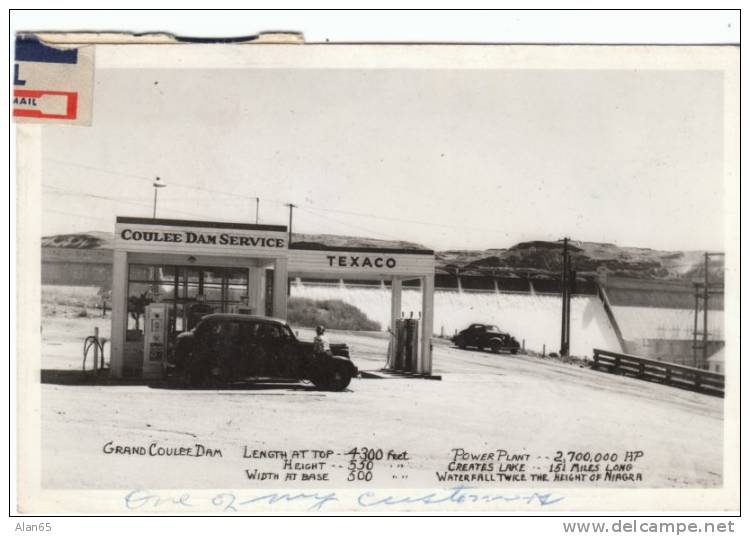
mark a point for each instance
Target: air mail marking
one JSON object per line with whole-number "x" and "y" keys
{"x": 24, "y": 101}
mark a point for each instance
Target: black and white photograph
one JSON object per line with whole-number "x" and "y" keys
{"x": 268, "y": 275}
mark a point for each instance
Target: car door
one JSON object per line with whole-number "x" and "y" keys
{"x": 225, "y": 347}
{"x": 261, "y": 353}
{"x": 212, "y": 346}
{"x": 267, "y": 350}
{"x": 288, "y": 358}
{"x": 209, "y": 336}
{"x": 250, "y": 361}
{"x": 474, "y": 335}
{"x": 295, "y": 356}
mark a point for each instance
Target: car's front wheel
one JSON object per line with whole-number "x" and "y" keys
{"x": 193, "y": 377}
{"x": 340, "y": 380}
{"x": 334, "y": 379}
{"x": 196, "y": 373}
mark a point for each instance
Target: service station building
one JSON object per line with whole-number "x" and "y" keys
{"x": 192, "y": 268}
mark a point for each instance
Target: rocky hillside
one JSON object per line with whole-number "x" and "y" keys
{"x": 89, "y": 240}
{"x": 333, "y": 241}
{"x": 545, "y": 258}
{"x": 537, "y": 258}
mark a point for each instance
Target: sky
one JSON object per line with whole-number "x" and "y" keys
{"x": 450, "y": 159}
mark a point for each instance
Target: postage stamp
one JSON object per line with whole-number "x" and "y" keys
{"x": 52, "y": 84}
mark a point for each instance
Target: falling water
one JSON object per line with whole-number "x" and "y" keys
{"x": 661, "y": 322}
{"x": 535, "y": 318}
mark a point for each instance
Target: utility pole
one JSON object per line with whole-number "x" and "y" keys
{"x": 157, "y": 185}
{"x": 257, "y": 210}
{"x": 569, "y": 290}
{"x": 291, "y": 208}
{"x": 702, "y": 297}
{"x": 705, "y": 309}
{"x": 695, "y": 324}
{"x": 565, "y": 292}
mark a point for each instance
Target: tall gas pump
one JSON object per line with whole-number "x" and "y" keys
{"x": 155, "y": 339}
{"x": 406, "y": 341}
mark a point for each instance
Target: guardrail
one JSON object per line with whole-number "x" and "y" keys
{"x": 659, "y": 371}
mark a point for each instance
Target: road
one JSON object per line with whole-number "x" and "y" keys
{"x": 484, "y": 402}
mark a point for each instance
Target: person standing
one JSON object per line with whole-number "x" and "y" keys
{"x": 321, "y": 346}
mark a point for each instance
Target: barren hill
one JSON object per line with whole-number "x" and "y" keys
{"x": 88, "y": 240}
{"x": 544, "y": 258}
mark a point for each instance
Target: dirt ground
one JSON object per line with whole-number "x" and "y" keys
{"x": 483, "y": 402}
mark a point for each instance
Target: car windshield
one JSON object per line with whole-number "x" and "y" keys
{"x": 274, "y": 331}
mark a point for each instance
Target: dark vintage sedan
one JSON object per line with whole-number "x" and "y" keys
{"x": 486, "y": 336}
{"x": 224, "y": 348}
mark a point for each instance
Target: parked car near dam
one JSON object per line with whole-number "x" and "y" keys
{"x": 486, "y": 336}
{"x": 223, "y": 348}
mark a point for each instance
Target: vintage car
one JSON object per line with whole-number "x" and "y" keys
{"x": 486, "y": 336}
{"x": 223, "y": 348}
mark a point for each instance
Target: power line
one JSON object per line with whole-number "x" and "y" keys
{"x": 402, "y": 220}
{"x": 172, "y": 183}
{"x": 100, "y": 170}
{"x": 283, "y": 203}
{"x": 82, "y": 216}
{"x": 350, "y": 225}
{"x": 61, "y": 191}
{"x": 314, "y": 212}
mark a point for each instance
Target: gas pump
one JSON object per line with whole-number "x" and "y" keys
{"x": 406, "y": 340}
{"x": 155, "y": 339}
{"x": 411, "y": 344}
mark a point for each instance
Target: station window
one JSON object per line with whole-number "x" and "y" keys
{"x": 184, "y": 287}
